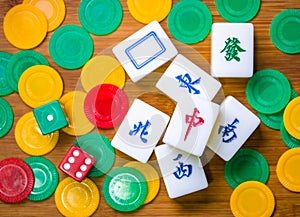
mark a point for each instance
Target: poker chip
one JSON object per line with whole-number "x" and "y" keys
{"x": 288, "y": 140}
{"x": 30, "y": 139}
{"x": 16, "y": 181}
{"x": 39, "y": 85}
{"x": 54, "y": 10}
{"x": 246, "y": 165}
{"x": 268, "y": 91}
{"x": 287, "y": 169}
{"x": 25, "y": 26}
{"x": 100, "y": 148}
{"x": 125, "y": 189}
{"x": 106, "y": 105}
{"x": 74, "y": 198}
{"x": 237, "y": 11}
{"x": 291, "y": 118}
{"x": 73, "y": 103}
{"x": 100, "y": 17}
{"x": 148, "y": 11}
{"x": 252, "y": 198}
{"x": 6, "y": 117}
{"x": 190, "y": 21}
{"x": 5, "y": 88}
{"x": 284, "y": 31}
{"x": 71, "y": 46}
{"x": 102, "y": 69}
{"x": 151, "y": 176}
{"x": 45, "y": 178}
{"x": 20, "y": 62}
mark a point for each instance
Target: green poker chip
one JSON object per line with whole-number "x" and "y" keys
{"x": 45, "y": 178}
{"x": 6, "y": 117}
{"x": 100, "y": 17}
{"x": 246, "y": 165}
{"x": 125, "y": 189}
{"x": 238, "y": 11}
{"x": 5, "y": 88}
{"x": 190, "y": 21}
{"x": 268, "y": 91}
{"x": 284, "y": 31}
{"x": 100, "y": 148}
{"x": 21, "y": 61}
{"x": 71, "y": 46}
{"x": 288, "y": 140}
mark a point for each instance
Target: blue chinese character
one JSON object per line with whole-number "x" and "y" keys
{"x": 228, "y": 133}
{"x": 183, "y": 170}
{"x": 142, "y": 128}
{"x": 186, "y": 82}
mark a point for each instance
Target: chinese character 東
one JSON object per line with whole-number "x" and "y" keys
{"x": 228, "y": 134}
{"x": 232, "y": 48}
{"x": 194, "y": 121}
{"x": 142, "y": 128}
{"x": 186, "y": 82}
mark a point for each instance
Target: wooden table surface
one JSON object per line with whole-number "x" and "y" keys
{"x": 213, "y": 201}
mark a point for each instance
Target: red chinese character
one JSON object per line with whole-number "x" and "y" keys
{"x": 193, "y": 121}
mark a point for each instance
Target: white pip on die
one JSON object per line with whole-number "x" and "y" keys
{"x": 232, "y": 50}
{"x": 233, "y": 127}
{"x": 145, "y": 51}
{"x": 140, "y": 131}
{"x": 182, "y": 172}
{"x": 191, "y": 125}
{"x": 184, "y": 78}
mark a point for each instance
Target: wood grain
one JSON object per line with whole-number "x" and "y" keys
{"x": 213, "y": 201}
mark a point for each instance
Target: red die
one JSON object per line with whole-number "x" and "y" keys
{"x": 76, "y": 163}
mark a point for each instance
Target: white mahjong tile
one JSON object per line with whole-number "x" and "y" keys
{"x": 232, "y": 50}
{"x": 145, "y": 51}
{"x": 140, "y": 131}
{"x": 182, "y": 172}
{"x": 234, "y": 126}
{"x": 191, "y": 125}
{"x": 184, "y": 79}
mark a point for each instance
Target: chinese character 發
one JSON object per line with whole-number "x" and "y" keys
{"x": 142, "y": 128}
{"x": 232, "y": 48}
{"x": 183, "y": 170}
{"x": 228, "y": 133}
{"x": 193, "y": 121}
{"x": 186, "y": 82}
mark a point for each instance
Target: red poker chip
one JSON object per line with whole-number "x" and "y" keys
{"x": 17, "y": 180}
{"x": 106, "y": 105}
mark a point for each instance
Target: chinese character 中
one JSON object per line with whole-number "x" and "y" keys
{"x": 228, "y": 134}
{"x": 183, "y": 170}
{"x": 193, "y": 120}
{"x": 142, "y": 128}
{"x": 186, "y": 82}
{"x": 232, "y": 48}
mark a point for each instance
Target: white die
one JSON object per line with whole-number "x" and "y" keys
{"x": 184, "y": 79}
{"x": 191, "y": 125}
{"x": 234, "y": 126}
{"x": 232, "y": 50}
{"x": 182, "y": 172}
{"x": 145, "y": 51}
{"x": 140, "y": 131}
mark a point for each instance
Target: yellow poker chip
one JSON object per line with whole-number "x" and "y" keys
{"x": 288, "y": 169}
{"x": 73, "y": 106}
{"x": 291, "y": 118}
{"x": 74, "y": 198}
{"x": 39, "y": 85}
{"x": 146, "y": 11}
{"x": 30, "y": 138}
{"x": 25, "y": 26}
{"x": 252, "y": 199}
{"x": 54, "y": 10}
{"x": 102, "y": 69}
{"x": 151, "y": 176}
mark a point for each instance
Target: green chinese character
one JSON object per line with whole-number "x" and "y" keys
{"x": 232, "y": 48}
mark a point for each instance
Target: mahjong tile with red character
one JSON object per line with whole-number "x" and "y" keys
{"x": 77, "y": 163}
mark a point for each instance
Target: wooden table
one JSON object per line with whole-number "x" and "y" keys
{"x": 213, "y": 201}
